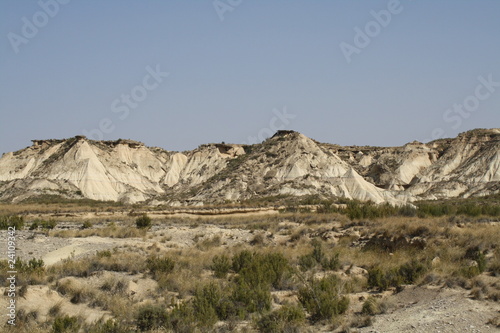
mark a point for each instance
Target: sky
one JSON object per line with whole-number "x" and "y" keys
{"x": 177, "y": 74}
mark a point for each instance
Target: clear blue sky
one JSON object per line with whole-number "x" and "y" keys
{"x": 227, "y": 76}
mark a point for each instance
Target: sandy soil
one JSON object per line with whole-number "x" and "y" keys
{"x": 415, "y": 309}
{"x": 444, "y": 310}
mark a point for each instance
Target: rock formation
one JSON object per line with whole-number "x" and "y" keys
{"x": 289, "y": 163}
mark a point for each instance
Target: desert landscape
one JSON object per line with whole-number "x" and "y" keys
{"x": 296, "y": 269}
{"x": 243, "y": 166}
{"x": 411, "y": 245}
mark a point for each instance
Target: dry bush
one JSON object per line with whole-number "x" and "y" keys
{"x": 372, "y": 306}
{"x": 483, "y": 236}
{"x": 208, "y": 243}
{"x": 258, "y": 239}
{"x": 26, "y": 317}
{"x": 117, "y": 304}
{"x": 299, "y": 234}
{"x": 66, "y": 324}
{"x": 75, "y": 291}
{"x": 192, "y": 268}
{"x": 55, "y": 310}
{"x": 494, "y": 264}
{"x": 132, "y": 262}
{"x": 359, "y": 321}
{"x": 110, "y": 231}
{"x": 183, "y": 283}
{"x": 495, "y": 321}
{"x": 69, "y": 267}
{"x": 288, "y": 318}
{"x": 115, "y": 285}
{"x": 477, "y": 294}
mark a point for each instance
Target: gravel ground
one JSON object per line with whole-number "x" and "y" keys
{"x": 438, "y": 310}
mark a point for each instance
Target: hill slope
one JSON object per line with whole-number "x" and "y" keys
{"x": 289, "y": 163}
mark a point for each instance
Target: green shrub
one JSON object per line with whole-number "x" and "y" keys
{"x": 65, "y": 324}
{"x": 182, "y": 318}
{"x": 267, "y": 269}
{"x": 383, "y": 280}
{"x": 108, "y": 326}
{"x": 411, "y": 271}
{"x": 160, "y": 265}
{"x": 278, "y": 269}
{"x": 318, "y": 256}
{"x": 44, "y": 224}
{"x": 86, "y": 225}
{"x": 469, "y": 271}
{"x": 11, "y": 221}
{"x": 104, "y": 254}
{"x": 494, "y": 267}
{"x": 50, "y": 224}
{"x": 221, "y": 266}
{"x": 288, "y": 318}
{"x": 34, "y": 225}
{"x": 332, "y": 263}
{"x": 151, "y": 317}
{"x": 407, "y": 210}
{"x": 31, "y": 266}
{"x": 474, "y": 253}
{"x": 307, "y": 262}
{"x": 367, "y": 210}
{"x": 241, "y": 260}
{"x": 323, "y": 298}
{"x": 376, "y": 278}
{"x": 210, "y": 304}
{"x": 249, "y": 298}
{"x": 257, "y": 273}
{"x": 143, "y": 222}
{"x": 317, "y": 252}
{"x": 407, "y": 273}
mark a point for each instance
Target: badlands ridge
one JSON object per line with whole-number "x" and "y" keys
{"x": 289, "y": 163}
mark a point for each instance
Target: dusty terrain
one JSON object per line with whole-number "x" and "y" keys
{"x": 435, "y": 309}
{"x": 436, "y": 306}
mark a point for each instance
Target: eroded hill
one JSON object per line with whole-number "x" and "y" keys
{"x": 289, "y": 163}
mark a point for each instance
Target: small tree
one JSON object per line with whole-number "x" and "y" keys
{"x": 143, "y": 222}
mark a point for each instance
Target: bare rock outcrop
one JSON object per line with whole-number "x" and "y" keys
{"x": 289, "y": 163}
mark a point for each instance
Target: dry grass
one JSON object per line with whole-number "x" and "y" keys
{"x": 124, "y": 261}
{"x": 111, "y": 231}
{"x": 443, "y": 252}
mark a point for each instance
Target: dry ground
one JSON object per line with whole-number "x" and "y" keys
{"x": 436, "y": 305}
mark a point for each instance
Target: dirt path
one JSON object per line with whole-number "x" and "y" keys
{"x": 81, "y": 246}
{"x": 53, "y": 249}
